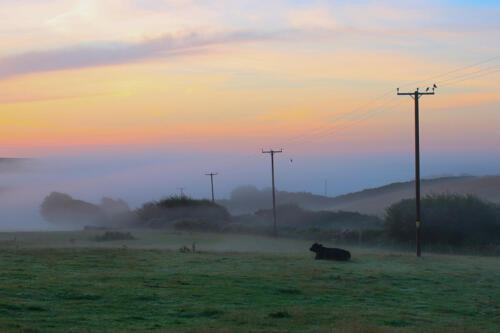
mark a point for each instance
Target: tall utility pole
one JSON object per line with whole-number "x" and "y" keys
{"x": 211, "y": 174}
{"x": 182, "y": 191}
{"x": 326, "y": 187}
{"x": 416, "y": 95}
{"x": 272, "y": 152}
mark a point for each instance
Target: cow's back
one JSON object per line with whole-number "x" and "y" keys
{"x": 336, "y": 254}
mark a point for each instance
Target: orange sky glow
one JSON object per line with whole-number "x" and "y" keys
{"x": 79, "y": 74}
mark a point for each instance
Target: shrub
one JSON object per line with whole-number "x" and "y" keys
{"x": 455, "y": 220}
{"x": 62, "y": 209}
{"x": 114, "y": 236}
{"x": 197, "y": 225}
{"x": 293, "y": 215}
{"x": 164, "y": 213}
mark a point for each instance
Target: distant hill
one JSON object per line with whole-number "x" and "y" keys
{"x": 13, "y": 164}
{"x": 248, "y": 199}
{"x": 374, "y": 201}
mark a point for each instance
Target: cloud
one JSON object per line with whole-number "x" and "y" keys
{"x": 113, "y": 53}
{"x": 312, "y": 18}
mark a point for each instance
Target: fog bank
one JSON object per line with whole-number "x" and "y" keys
{"x": 137, "y": 177}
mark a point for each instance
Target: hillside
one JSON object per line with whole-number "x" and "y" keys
{"x": 374, "y": 201}
{"x": 8, "y": 165}
{"x": 248, "y": 199}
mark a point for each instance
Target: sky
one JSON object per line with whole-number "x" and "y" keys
{"x": 205, "y": 85}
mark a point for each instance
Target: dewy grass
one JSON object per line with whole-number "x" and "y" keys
{"x": 118, "y": 289}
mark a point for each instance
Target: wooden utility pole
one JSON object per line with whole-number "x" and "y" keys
{"x": 416, "y": 95}
{"x": 211, "y": 174}
{"x": 272, "y": 152}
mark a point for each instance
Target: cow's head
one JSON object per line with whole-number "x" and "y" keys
{"x": 315, "y": 247}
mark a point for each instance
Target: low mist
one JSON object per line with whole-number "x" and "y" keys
{"x": 138, "y": 177}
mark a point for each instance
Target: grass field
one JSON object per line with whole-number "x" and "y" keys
{"x": 68, "y": 282}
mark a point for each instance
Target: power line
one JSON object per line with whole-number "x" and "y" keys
{"x": 448, "y": 84}
{"x": 433, "y": 78}
{"x": 370, "y": 113}
{"x": 337, "y": 129}
{"x": 487, "y": 69}
{"x": 327, "y": 127}
{"x": 362, "y": 113}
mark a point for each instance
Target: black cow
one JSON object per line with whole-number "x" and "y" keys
{"x": 328, "y": 253}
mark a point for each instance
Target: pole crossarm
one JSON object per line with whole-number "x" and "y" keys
{"x": 270, "y": 151}
{"x": 417, "y": 92}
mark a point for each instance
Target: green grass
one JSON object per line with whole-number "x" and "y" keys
{"x": 278, "y": 288}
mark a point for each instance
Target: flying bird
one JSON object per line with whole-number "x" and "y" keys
{"x": 291, "y": 160}
{"x": 434, "y": 86}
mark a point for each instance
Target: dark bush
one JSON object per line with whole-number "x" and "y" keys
{"x": 94, "y": 227}
{"x": 114, "y": 236}
{"x": 455, "y": 220}
{"x": 163, "y": 213}
{"x": 291, "y": 215}
{"x": 296, "y": 222}
{"x": 249, "y": 224}
{"x": 114, "y": 207}
{"x": 197, "y": 225}
{"x": 61, "y": 209}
